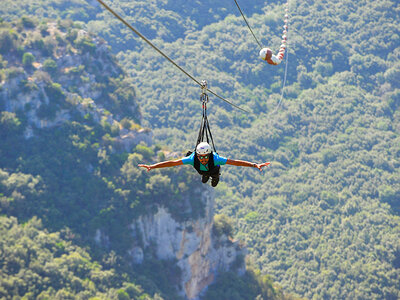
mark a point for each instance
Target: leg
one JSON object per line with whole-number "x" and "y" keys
{"x": 205, "y": 178}
{"x": 214, "y": 180}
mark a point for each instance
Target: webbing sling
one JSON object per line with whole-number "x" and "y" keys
{"x": 205, "y": 125}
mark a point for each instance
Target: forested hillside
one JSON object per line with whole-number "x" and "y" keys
{"x": 66, "y": 158}
{"x": 323, "y": 219}
{"x": 70, "y": 189}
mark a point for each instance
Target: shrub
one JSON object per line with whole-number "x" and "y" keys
{"x": 85, "y": 45}
{"x": 9, "y": 123}
{"x": 8, "y": 40}
{"x": 392, "y": 75}
{"x": 126, "y": 123}
{"x": 28, "y": 59}
{"x": 50, "y": 66}
{"x": 223, "y": 225}
{"x": 122, "y": 295}
{"x": 28, "y": 22}
{"x": 159, "y": 184}
{"x": 54, "y": 92}
{"x": 145, "y": 151}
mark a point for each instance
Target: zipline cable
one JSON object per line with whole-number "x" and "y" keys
{"x": 247, "y": 23}
{"x": 162, "y": 53}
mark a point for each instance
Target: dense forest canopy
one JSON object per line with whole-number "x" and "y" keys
{"x": 69, "y": 183}
{"x": 62, "y": 160}
{"x": 323, "y": 219}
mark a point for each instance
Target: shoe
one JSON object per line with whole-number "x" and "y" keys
{"x": 214, "y": 181}
{"x": 205, "y": 178}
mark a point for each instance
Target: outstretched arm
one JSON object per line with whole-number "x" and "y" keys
{"x": 163, "y": 164}
{"x": 243, "y": 163}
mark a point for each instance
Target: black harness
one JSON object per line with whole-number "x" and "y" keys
{"x": 205, "y": 131}
{"x": 212, "y": 169}
{"x": 205, "y": 136}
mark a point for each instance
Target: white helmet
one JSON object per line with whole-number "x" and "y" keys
{"x": 203, "y": 148}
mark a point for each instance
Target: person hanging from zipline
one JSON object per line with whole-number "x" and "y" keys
{"x": 204, "y": 159}
{"x": 266, "y": 53}
{"x": 206, "y": 162}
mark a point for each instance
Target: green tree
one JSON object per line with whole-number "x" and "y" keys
{"x": 28, "y": 59}
{"x": 28, "y": 22}
{"x": 8, "y": 40}
{"x": 50, "y": 66}
{"x": 223, "y": 225}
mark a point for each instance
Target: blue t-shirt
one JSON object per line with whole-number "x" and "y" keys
{"x": 218, "y": 161}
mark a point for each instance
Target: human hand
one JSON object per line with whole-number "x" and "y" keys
{"x": 260, "y": 166}
{"x": 145, "y": 166}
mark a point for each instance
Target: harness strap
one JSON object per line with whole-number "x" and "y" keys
{"x": 212, "y": 140}
{"x": 205, "y": 129}
{"x": 202, "y": 129}
{"x": 205, "y": 126}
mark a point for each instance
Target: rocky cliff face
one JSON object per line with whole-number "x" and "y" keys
{"x": 74, "y": 76}
{"x": 197, "y": 251}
